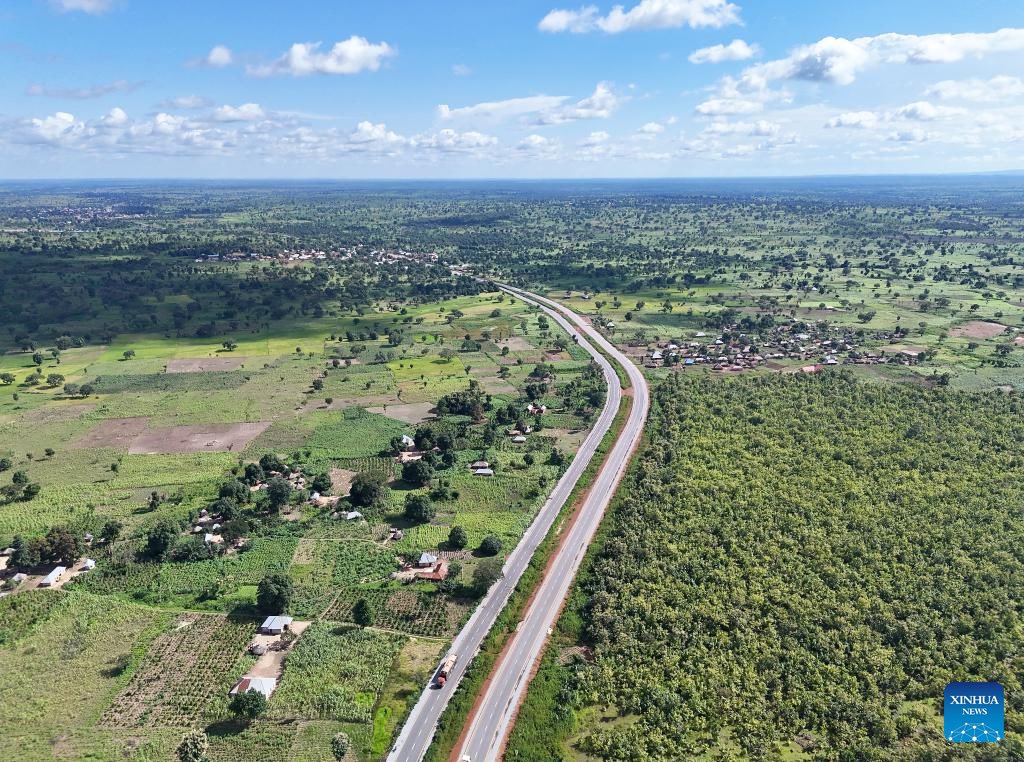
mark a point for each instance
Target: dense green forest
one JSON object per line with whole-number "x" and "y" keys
{"x": 797, "y": 567}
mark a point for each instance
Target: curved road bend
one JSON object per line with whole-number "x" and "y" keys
{"x": 494, "y": 716}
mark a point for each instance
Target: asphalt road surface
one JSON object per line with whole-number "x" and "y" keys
{"x": 493, "y": 720}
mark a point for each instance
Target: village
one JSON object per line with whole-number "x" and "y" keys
{"x": 805, "y": 347}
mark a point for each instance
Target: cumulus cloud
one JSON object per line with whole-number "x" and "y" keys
{"x": 919, "y": 111}
{"x": 600, "y": 104}
{"x": 737, "y": 50}
{"x": 997, "y": 88}
{"x": 759, "y": 128}
{"x": 647, "y": 14}
{"x": 247, "y": 112}
{"x": 351, "y": 56}
{"x": 839, "y": 60}
{"x": 923, "y": 111}
{"x": 505, "y": 109}
{"x": 451, "y": 141}
{"x": 219, "y": 57}
{"x": 650, "y": 130}
{"x": 860, "y": 120}
{"x": 595, "y": 139}
{"x": 729, "y": 106}
{"x": 84, "y": 93}
{"x": 94, "y": 7}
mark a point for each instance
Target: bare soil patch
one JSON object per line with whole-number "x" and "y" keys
{"x": 341, "y": 481}
{"x": 406, "y": 412}
{"x": 566, "y": 437}
{"x": 495, "y": 385}
{"x": 515, "y": 344}
{"x": 203, "y": 437}
{"x": 58, "y": 413}
{"x": 201, "y": 364}
{"x": 116, "y": 432}
{"x": 977, "y": 329}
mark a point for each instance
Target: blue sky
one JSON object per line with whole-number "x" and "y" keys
{"x": 653, "y": 88}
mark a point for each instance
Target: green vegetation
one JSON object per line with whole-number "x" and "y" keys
{"x": 795, "y": 555}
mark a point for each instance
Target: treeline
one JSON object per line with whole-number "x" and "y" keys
{"x": 798, "y": 565}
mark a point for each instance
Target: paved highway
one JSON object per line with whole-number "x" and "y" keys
{"x": 493, "y": 720}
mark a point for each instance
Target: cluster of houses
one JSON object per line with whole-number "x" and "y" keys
{"x": 733, "y": 350}
{"x": 428, "y": 567}
{"x": 209, "y": 527}
{"x": 57, "y": 576}
{"x": 267, "y": 646}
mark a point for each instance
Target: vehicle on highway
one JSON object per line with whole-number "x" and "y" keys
{"x": 446, "y": 667}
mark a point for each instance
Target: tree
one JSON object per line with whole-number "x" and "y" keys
{"x": 234, "y": 490}
{"x": 279, "y": 492}
{"x": 19, "y": 477}
{"x": 271, "y": 462}
{"x": 321, "y": 483}
{"x": 419, "y": 509}
{"x": 161, "y": 537}
{"x": 193, "y": 747}
{"x": 7, "y": 378}
{"x": 111, "y": 531}
{"x": 486, "y": 573}
{"x": 38, "y": 358}
{"x": 368, "y": 489}
{"x": 5, "y": 464}
{"x": 63, "y": 547}
{"x": 230, "y": 345}
{"x": 86, "y": 390}
{"x": 362, "y": 613}
{"x": 54, "y": 379}
{"x": 457, "y": 538}
{"x": 490, "y": 545}
{"x": 234, "y": 530}
{"x": 274, "y": 594}
{"x": 224, "y": 507}
{"x": 340, "y": 746}
{"x": 128, "y": 354}
{"x": 418, "y": 473}
{"x": 249, "y": 705}
{"x": 254, "y": 474}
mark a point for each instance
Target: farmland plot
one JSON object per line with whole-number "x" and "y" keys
{"x": 335, "y": 673}
{"x": 187, "y": 666}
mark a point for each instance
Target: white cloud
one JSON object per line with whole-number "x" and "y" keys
{"x": 647, "y": 14}
{"x": 595, "y": 139}
{"x": 115, "y": 117}
{"x": 923, "y": 111}
{"x": 351, "y": 56}
{"x": 839, "y": 60}
{"x": 915, "y": 135}
{"x": 997, "y": 88}
{"x": 760, "y": 128}
{"x": 505, "y": 109}
{"x": 219, "y": 57}
{"x": 861, "y": 120}
{"x": 737, "y": 50}
{"x": 247, "y": 112}
{"x": 368, "y": 132}
{"x": 95, "y": 7}
{"x": 729, "y": 106}
{"x": 451, "y": 141}
{"x": 600, "y": 104}
{"x": 650, "y": 130}
{"x": 56, "y": 127}
{"x": 461, "y": 70}
{"x": 84, "y": 93}
{"x": 186, "y": 102}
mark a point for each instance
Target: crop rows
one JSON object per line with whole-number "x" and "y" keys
{"x": 19, "y": 614}
{"x": 171, "y": 382}
{"x": 416, "y": 613}
{"x": 183, "y": 669}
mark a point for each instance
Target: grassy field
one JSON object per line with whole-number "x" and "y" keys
{"x": 151, "y": 647}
